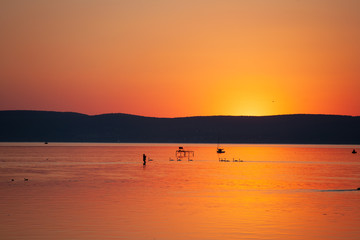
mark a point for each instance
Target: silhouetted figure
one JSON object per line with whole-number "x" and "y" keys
{"x": 144, "y": 159}
{"x": 354, "y": 151}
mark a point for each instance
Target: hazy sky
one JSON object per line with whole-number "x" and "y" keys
{"x": 169, "y": 58}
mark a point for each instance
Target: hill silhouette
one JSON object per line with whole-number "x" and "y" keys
{"x": 39, "y": 126}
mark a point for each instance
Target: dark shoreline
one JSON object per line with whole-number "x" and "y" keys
{"x": 44, "y": 126}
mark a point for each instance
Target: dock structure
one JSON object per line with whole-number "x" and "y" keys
{"x": 181, "y": 154}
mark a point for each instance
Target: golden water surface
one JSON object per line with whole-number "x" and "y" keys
{"x": 102, "y": 191}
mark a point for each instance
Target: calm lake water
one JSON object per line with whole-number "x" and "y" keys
{"x": 102, "y": 191}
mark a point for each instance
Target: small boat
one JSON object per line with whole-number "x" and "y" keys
{"x": 220, "y": 150}
{"x": 354, "y": 151}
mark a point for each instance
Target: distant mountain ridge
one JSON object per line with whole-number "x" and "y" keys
{"x": 41, "y": 126}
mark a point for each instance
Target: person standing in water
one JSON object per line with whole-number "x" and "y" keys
{"x": 144, "y": 159}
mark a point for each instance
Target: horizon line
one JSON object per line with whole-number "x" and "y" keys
{"x": 220, "y": 115}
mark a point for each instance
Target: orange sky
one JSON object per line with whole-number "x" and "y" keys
{"x": 168, "y": 58}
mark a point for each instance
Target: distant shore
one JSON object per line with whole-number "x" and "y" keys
{"x": 45, "y": 126}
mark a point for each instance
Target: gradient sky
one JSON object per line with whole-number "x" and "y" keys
{"x": 168, "y": 58}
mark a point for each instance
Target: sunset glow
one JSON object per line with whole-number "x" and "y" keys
{"x": 181, "y": 58}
